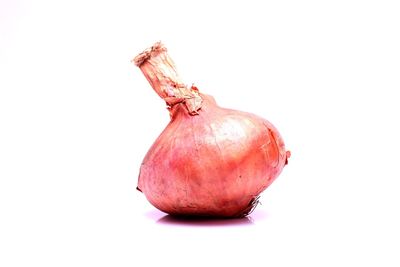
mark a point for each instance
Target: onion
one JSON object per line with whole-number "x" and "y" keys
{"x": 209, "y": 161}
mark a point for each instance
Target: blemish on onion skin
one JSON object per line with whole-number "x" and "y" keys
{"x": 250, "y": 207}
{"x": 288, "y": 154}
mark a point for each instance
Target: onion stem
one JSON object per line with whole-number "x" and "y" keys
{"x": 159, "y": 70}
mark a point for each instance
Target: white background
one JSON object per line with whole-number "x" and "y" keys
{"x": 77, "y": 117}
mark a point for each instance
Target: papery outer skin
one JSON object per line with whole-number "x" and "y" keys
{"x": 209, "y": 161}
{"x": 160, "y": 71}
{"x": 211, "y": 164}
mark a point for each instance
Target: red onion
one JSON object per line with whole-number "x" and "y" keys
{"x": 209, "y": 161}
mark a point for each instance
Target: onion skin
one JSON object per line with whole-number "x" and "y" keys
{"x": 209, "y": 161}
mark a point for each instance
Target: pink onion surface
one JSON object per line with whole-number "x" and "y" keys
{"x": 209, "y": 161}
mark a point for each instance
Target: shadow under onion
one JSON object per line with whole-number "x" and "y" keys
{"x": 166, "y": 219}
{"x": 204, "y": 221}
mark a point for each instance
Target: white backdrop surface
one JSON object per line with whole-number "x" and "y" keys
{"x": 77, "y": 117}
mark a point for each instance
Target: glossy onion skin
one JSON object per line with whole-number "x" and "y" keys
{"x": 214, "y": 164}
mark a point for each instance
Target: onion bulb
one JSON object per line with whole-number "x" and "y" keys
{"x": 209, "y": 160}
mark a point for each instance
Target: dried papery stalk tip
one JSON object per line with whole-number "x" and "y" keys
{"x": 159, "y": 69}
{"x": 156, "y": 49}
